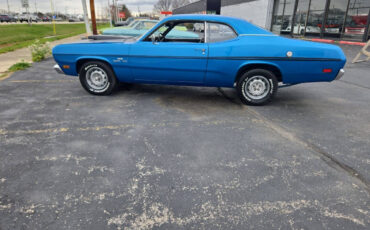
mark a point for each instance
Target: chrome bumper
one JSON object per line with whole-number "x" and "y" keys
{"x": 340, "y": 74}
{"x": 58, "y": 69}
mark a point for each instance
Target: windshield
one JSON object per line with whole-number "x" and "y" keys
{"x": 144, "y": 25}
{"x": 133, "y": 23}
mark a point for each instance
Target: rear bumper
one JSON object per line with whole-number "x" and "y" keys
{"x": 340, "y": 74}
{"x": 58, "y": 69}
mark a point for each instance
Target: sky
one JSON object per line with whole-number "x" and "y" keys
{"x": 75, "y": 6}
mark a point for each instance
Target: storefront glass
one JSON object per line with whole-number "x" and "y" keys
{"x": 356, "y": 22}
{"x": 301, "y": 18}
{"x": 315, "y": 17}
{"x": 283, "y": 15}
{"x": 346, "y": 19}
{"x": 336, "y": 17}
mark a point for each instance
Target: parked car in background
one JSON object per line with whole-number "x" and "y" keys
{"x": 124, "y": 23}
{"x": 355, "y": 25}
{"x": 73, "y": 19}
{"x": 244, "y": 56}
{"x": 25, "y": 17}
{"x": 5, "y": 18}
{"x": 14, "y": 18}
{"x": 136, "y": 28}
{"x": 46, "y": 19}
{"x": 300, "y": 29}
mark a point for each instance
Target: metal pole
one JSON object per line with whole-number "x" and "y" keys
{"x": 326, "y": 12}
{"x": 117, "y": 12}
{"x": 110, "y": 14}
{"x": 86, "y": 17}
{"x": 344, "y": 22}
{"x": 293, "y": 19}
{"x": 52, "y": 16}
{"x": 93, "y": 18}
{"x": 29, "y": 16}
{"x": 7, "y": 1}
{"x": 366, "y": 32}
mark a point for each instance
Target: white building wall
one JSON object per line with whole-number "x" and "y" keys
{"x": 258, "y": 12}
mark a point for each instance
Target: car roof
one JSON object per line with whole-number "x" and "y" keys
{"x": 145, "y": 20}
{"x": 241, "y": 26}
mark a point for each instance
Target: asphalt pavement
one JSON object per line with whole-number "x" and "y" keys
{"x": 169, "y": 157}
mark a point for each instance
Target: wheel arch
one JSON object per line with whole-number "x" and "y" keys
{"x": 259, "y": 65}
{"x": 82, "y": 60}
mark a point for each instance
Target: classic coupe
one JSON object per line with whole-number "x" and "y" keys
{"x": 226, "y": 52}
{"x": 136, "y": 28}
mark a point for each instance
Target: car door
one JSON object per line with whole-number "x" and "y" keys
{"x": 180, "y": 57}
{"x": 222, "y": 45}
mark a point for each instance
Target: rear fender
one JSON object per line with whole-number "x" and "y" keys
{"x": 254, "y": 64}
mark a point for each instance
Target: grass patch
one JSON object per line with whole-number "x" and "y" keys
{"x": 3, "y": 75}
{"x": 19, "y": 66}
{"x": 18, "y": 36}
{"x": 16, "y": 67}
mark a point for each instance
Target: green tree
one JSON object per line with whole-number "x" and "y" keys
{"x": 126, "y": 11}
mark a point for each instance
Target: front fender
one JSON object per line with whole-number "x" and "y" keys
{"x": 95, "y": 58}
{"x": 69, "y": 63}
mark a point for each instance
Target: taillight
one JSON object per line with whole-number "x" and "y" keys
{"x": 327, "y": 70}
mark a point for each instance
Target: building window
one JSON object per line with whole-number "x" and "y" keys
{"x": 283, "y": 15}
{"x": 335, "y": 20}
{"x": 316, "y": 17}
{"x": 300, "y": 20}
{"x": 356, "y": 21}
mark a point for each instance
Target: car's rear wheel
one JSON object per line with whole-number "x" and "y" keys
{"x": 257, "y": 87}
{"x": 98, "y": 78}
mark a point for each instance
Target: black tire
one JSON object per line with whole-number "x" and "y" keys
{"x": 101, "y": 67}
{"x": 262, "y": 79}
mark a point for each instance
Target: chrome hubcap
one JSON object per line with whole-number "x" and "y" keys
{"x": 97, "y": 79}
{"x": 257, "y": 87}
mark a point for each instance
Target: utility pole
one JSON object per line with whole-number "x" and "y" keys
{"x": 52, "y": 16}
{"x": 86, "y": 17}
{"x": 36, "y": 6}
{"x": 110, "y": 13}
{"x": 7, "y": 1}
{"x": 93, "y": 18}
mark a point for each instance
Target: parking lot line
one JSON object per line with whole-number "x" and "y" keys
{"x": 40, "y": 81}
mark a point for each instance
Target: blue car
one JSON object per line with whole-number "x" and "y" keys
{"x": 227, "y": 52}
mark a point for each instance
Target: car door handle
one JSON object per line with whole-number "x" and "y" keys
{"x": 200, "y": 49}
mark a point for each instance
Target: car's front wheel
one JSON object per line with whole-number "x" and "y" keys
{"x": 257, "y": 87}
{"x": 98, "y": 78}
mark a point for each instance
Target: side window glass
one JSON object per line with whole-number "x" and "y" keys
{"x": 158, "y": 34}
{"x": 218, "y": 32}
{"x": 186, "y": 32}
{"x": 179, "y": 32}
{"x": 139, "y": 26}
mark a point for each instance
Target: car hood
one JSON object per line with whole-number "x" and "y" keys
{"x": 93, "y": 46}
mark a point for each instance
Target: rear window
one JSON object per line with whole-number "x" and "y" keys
{"x": 218, "y": 32}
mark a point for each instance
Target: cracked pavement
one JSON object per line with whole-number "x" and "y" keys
{"x": 168, "y": 157}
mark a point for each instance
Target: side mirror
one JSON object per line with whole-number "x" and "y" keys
{"x": 154, "y": 39}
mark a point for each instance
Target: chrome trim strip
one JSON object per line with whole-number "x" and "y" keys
{"x": 205, "y": 32}
{"x": 340, "y": 74}
{"x": 58, "y": 69}
{"x": 222, "y": 58}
